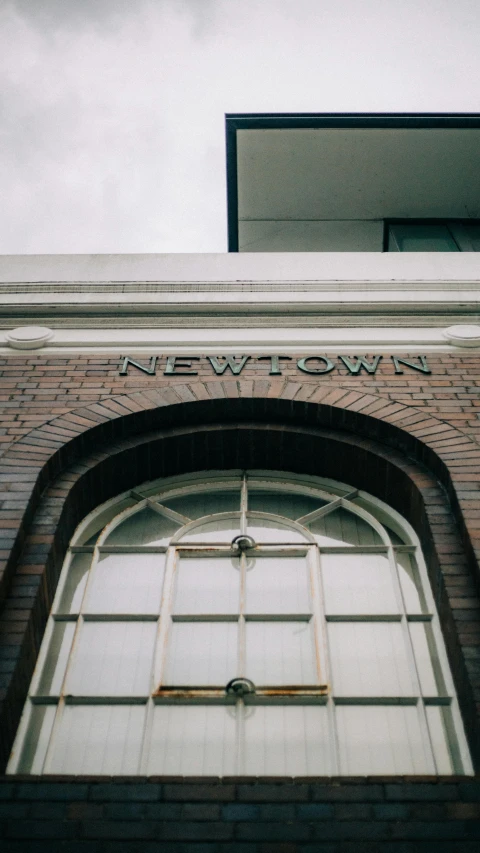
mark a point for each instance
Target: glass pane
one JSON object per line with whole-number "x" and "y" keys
{"x": 369, "y": 659}
{"x": 98, "y": 739}
{"x": 377, "y": 740}
{"x": 444, "y": 742}
{"x": 280, "y": 503}
{"x": 207, "y": 585}
{"x": 145, "y": 527}
{"x": 341, "y": 527}
{"x": 205, "y": 503}
{"x": 112, "y": 659}
{"x": 192, "y": 740}
{"x": 423, "y": 238}
{"x": 358, "y": 584}
{"x": 263, "y": 530}
{"x": 126, "y": 583}
{"x": 37, "y": 738}
{"x": 280, "y": 653}
{"x": 222, "y": 530}
{"x": 426, "y": 659}
{"x": 473, "y": 232}
{"x": 395, "y": 537}
{"x": 286, "y": 741}
{"x": 57, "y": 657}
{"x": 97, "y": 524}
{"x": 277, "y": 585}
{"x": 74, "y": 588}
{"x": 410, "y": 583}
{"x": 202, "y": 653}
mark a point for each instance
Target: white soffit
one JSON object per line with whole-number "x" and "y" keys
{"x": 358, "y": 173}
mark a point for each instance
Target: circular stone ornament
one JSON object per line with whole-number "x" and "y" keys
{"x": 29, "y": 337}
{"x": 463, "y": 336}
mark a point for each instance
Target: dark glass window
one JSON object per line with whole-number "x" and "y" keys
{"x": 432, "y": 236}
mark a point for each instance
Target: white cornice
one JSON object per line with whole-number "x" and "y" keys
{"x": 249, "y": 340}
{"x": 269, "y": 301}
{"x": 244, "y": 268}
{"x": 251, "y": 300}
{"x": 175, "y": 287}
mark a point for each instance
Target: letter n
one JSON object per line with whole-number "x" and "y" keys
{"x": 422, "y": 367}
{"x": 150, "y": 370}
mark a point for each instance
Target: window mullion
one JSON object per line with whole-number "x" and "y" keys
{"x": 71, "y": 657}
{"x": 146, "y": 738}
{"x": 328, "y": 508}
{"x": 417, "y": 688}
{"x": 93, "y": 563}
{"x": 243, "y": 505}
{"x": 318, "y": 611}
{"x": 240, "y": 745}
{"x": 166, "y": 605}
{"x": 47, "y": 761}
{"x": 325, "y": 646}
{"x": 166, "y": 512}
{"x": 242, "y": 639}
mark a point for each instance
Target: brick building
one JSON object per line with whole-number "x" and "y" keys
{"x": 240, "y": 507}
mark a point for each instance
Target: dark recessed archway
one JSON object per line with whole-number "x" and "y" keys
{"x": 281, "y": 437}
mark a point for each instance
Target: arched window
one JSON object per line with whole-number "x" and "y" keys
{"x": 232, "y": 624}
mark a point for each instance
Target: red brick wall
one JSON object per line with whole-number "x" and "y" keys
{"x": 33, "y": 388}
{"x": 76, "y": 432}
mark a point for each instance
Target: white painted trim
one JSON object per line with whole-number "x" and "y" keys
{"x": 250, "y": 340}
{"x": 271, "y": 299}
{"x": 234, "y": 268}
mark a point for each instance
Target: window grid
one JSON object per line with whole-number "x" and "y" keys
{"x": 319, "y": 616}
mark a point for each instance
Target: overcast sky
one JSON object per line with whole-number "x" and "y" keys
{"x": 112, "y": 111}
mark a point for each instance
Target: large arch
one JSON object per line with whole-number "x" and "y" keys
{"x": 75, "y": 462}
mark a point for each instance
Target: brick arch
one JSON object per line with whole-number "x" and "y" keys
{"x": 46, "y": 450}
{"x": 140, "y": 436}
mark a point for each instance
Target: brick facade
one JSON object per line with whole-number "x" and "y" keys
{"x": 75, "y": 432}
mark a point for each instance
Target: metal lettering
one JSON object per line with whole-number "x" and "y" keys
{"x": 180, "y": 366}
{"x": 150, "y": 370}
{"x": 356, "y": 366}
{"x": 302, "y": 364}
{"x": 317, "y": 365}
{"x": 230, "y": 361}
{"x": 274, "y": 363}
{"x": 423, "y": 366}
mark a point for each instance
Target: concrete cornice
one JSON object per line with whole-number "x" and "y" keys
{"x": 270, "y": 299}
{"x": 246, "y": 300}
{"x": 181, "y": 287}
{"x": 249, "y": 339}
{"x": 243, "y": 268}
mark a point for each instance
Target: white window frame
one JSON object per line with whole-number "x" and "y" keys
{"x": 371, "y": 510}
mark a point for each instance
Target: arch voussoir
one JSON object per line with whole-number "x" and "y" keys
{"x": 44, "y": 451}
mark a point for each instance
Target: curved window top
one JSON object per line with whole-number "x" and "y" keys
{"x": 231, "y": 624}
{"x": 270, "y": 510}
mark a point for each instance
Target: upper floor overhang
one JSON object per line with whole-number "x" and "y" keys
{"x": 298, "y": 182}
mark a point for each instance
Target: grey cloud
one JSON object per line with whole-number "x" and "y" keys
{"x": 112, "y": 114}
{"x": 54, "y": 14}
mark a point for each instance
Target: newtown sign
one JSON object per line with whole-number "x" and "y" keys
{"x": 316, "y": 365}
